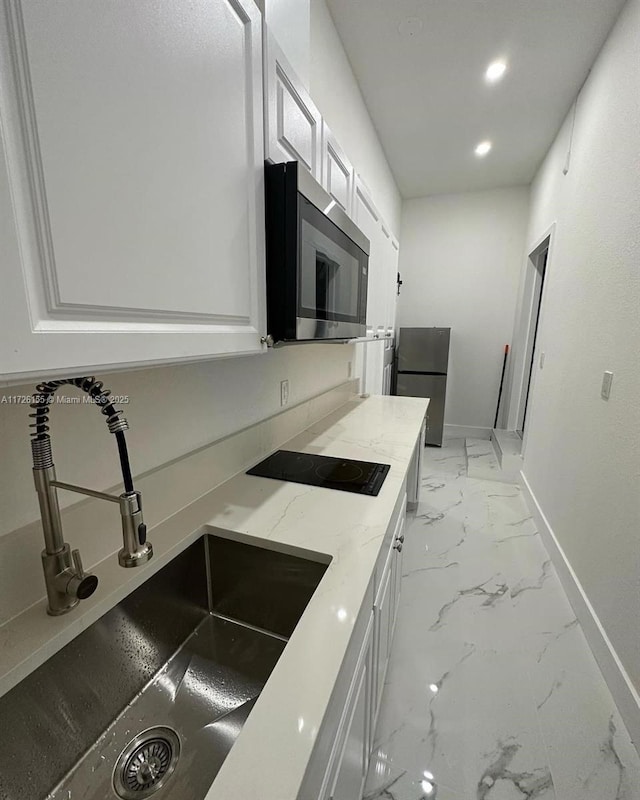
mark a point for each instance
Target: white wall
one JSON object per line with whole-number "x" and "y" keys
{"x": 460, "y": 261}
{"x": 582, "y": 453}
{"x": 172, "y": 411}
{"x": 335, "y": 91}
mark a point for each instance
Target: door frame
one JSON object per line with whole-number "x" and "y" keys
{"x": 524, "y": 332}
{"x": 536, "y": 286}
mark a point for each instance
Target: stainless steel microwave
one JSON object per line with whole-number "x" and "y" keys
{"x": 317, "y": 261}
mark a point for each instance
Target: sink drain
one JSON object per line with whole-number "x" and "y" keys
{"x": 146, "y": 763}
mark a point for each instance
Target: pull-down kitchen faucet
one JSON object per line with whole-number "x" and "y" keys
{"x": 66, "y": 581}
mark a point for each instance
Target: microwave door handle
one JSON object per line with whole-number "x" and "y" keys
{"x": 321, "y": 281}
{"x": 333, "y": 284}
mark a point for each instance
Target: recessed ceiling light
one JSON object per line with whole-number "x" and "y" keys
{"x": 495, "y": 71}
{"x": 483, "y": 148}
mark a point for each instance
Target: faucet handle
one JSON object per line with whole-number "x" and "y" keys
{"x": 77, "y": 563}
{"x": 81, "y": 584}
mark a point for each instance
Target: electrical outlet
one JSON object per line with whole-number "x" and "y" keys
{"x": 349, "y": 369}
{"x": 284, "y": 393}
{"x": 541, "y": 360}
{"x": 605, "y": 391}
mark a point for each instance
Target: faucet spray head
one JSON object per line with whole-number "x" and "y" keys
{"x": 136, "y": 549}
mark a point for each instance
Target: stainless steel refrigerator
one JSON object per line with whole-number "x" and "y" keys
{"x": 422, "y": 358}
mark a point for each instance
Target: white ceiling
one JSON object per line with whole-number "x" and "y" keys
{"x": 426, "y": 92}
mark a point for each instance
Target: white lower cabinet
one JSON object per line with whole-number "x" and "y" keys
{"x": 385, "y": 611}
{"x": 396, "y": 575}
{"x": 382, "y": 629}
{"x": 344, "y": 779}
{"x": 414, "y": 478}
{"x": 348, "y": 762}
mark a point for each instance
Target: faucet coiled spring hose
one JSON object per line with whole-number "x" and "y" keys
{"x": 41, "y": 442}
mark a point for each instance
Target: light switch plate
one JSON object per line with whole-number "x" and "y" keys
{"x": 541, "y": 360}
{"x": 605, "y": 391}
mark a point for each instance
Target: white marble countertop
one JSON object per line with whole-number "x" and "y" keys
{"x": 269, "y": 758}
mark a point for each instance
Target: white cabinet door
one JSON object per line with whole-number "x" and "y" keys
{"x": 414, "y": 476}
{"x": 347, "y": 770}
{"x": 387, "y": 266}
{"x": 374, "y": 367}
{"x": 397, "y": 562}
{"x": 132, "y": 212}
{"x": 393, "y": 284}
{"x": 293, "y": 125}
{"x": 385, "y": 613}
{"x": 352, "y": 769}
{"x": 383, "y": 610}
{"x": 389, "y": 278}
{"x": 367, "y": 218}
{"x": 337, "y": 172}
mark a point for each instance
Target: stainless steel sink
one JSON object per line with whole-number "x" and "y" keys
{"x": 149, "y": 700}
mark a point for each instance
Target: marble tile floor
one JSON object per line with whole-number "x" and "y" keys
{"x": 492, "y": 692}
{"x": 482, "y": 462}
{"x": 509, "y": 441}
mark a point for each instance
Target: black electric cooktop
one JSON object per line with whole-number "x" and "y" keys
{"x": 362, "y": 477}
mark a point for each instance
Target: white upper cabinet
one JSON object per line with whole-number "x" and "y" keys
{"x": 133, "y": 212}
{"x": 337, "y": 173}
{"x": 393, "y": 284}
{"x": 290, "y": 22}
{"x": 386, "y": 273}
{"x": 390, "y": 269}
{"x": 367, "y": 218}
{"x": 293, "y": 125}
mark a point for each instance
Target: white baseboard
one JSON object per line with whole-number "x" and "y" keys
{"x": 622, "y": 689}
{"x": 464, "y": 431}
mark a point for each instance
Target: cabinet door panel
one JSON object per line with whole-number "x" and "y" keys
{"x": 349, "y": 760}
{"x": 393, "y": 284}
{"x": 352, "y": 769}
{"x": 397, "y": 576}
{"x": 130, "y": 139}
{"x": 337, "y": 172}
{"x": 390, "y": 276}
{"x": 382, "y": 610}
{"x": 293, "y": 124}
{"x": 133, "y": 137}
{"x": 367, "y": 218}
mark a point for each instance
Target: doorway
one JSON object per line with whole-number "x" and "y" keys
{"x": 538, "y": 267}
